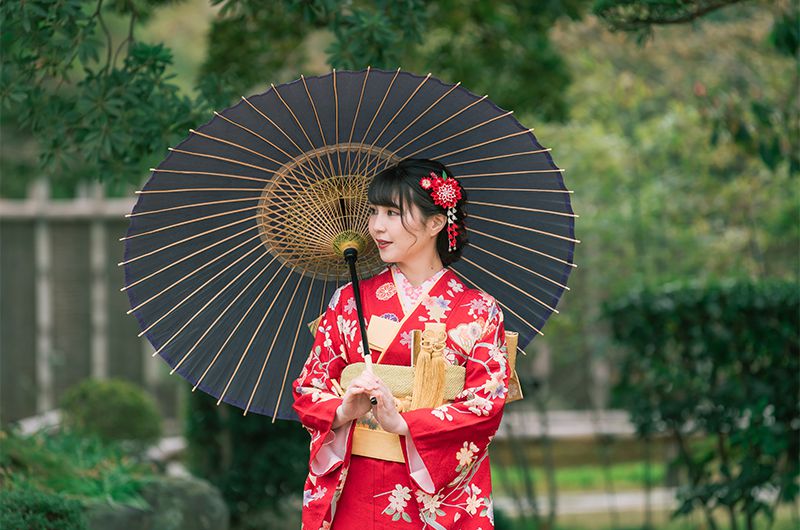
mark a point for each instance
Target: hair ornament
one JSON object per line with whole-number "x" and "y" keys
{"x": 446, "y": 192}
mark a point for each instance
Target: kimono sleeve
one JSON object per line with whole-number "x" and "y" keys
{"x": 445, "y": 442}
{"x": 315, "y": 399}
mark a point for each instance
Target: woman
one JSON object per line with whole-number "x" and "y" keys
{"x": 442, "y": 479}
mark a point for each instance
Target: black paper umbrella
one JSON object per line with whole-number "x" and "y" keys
{"x": 235, "y": 243}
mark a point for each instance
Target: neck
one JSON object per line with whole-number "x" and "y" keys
{"x": 418, "y": 272}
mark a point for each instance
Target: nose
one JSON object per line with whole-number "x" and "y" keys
{"x": 376, "y": 222}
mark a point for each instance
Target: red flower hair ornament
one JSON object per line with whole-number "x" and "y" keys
{"x": 446, "y": 192}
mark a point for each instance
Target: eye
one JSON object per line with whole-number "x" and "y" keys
{"x": 372, "y": 211}
{"x": 394, "y": 212}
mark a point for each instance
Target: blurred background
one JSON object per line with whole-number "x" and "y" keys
{"x": 666, "y": 393}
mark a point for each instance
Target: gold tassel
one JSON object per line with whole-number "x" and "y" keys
{"x": 429, "y": 368}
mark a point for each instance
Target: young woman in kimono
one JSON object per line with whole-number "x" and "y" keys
{"x": 443, "y": 479}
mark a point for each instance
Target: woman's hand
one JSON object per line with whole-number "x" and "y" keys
{"x": 355, "y": 401}
{"x": 386, "y": 411}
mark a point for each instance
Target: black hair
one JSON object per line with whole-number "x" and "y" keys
{"x": 399, "y": 185}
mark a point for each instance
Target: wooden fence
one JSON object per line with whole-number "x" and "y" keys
{"x": 62, "y": 314}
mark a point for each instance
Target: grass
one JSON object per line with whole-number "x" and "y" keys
{"x": 75, "y": 466}
{"x": 660, "y": 521}
{"x": 624, "y": 476}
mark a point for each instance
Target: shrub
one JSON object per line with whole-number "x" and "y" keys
{"x": 719, "y": 360}
{"x": 113, "y": 410}
{"x": 36, "y": 510}
{"x": 256, "y": 464}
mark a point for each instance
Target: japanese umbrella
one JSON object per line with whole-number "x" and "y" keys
{"x": 236, "y": 241}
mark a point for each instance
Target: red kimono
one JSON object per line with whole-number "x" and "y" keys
{"x": 445, "y": 481}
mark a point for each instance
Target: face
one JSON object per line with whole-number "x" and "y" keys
{"x": 402, "y": 244}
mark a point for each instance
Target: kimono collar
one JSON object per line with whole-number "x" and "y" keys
{"x": 408, "y": 293}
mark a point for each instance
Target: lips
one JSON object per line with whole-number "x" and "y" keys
{"x": 382, "y": 243}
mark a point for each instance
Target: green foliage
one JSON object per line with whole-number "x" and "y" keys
{"x": 95, "y": 110}
{"x": 113, "y": 410}
{"x": 761, "y": 121}
{"x": 36, "y": 510}
{"x": 79, "y": 467}
{"x": 488, "y": 46}
{"x": 254, "y": 462}
{"x": 719, "y": 359}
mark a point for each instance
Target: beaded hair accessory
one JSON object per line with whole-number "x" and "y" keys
{"x": 446, "y": 192}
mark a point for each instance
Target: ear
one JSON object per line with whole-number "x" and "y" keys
{"x": 436, "y": 223}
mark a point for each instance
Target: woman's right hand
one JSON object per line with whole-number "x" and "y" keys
{"x": 355, "y": 401}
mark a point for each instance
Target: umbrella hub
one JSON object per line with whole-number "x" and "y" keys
{"x": 315, "y": 207}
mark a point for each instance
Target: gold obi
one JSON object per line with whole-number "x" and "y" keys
{"x": 372, "y": 441}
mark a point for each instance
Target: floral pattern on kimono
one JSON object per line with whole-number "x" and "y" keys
{"x": 445, "y": 481}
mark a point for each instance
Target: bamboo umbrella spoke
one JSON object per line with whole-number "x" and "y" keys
{"x": 184, "y": 240}
{"x": 252, "y": 339}
{"x": 239, "y": 323}
{"x": 293, "y": 347}
{"x": 181, "y": 260}
{"x": 272, "y": 346}
{"x": 222, "y": 313}
{"x": 497, "y": 157}
{"x": 195, "y": 291}
{"x": 517, "y": 245}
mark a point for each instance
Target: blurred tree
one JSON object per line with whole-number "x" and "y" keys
{"x": 105, "y": 106}
{"x": 760, "y": 121}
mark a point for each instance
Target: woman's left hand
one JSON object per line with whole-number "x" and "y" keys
{"x": 386, "y": 412}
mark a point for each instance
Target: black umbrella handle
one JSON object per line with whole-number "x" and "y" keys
{"x": 350, "y": 256}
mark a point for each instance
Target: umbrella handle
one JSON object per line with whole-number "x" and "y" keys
{"x": 350, "y": 256}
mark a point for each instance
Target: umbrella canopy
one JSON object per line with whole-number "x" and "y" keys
{"x": 235, "y": 242}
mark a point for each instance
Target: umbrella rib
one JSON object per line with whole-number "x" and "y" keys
{"x": 236, "y": 327}
{"x": 518, "y": 189}
{"x": 234, "y": 144}
{"x": 178, "y": 190}
{"x": 391, "y": 120}
{"x": 294, "y": 345}
{"x": 287, "y": 155}
{"x": 473, "y": 146}
{"x": 439, "y": 124}
{"x": 241, "y": 292}
{"x": 355, "y": 119}
{"x": 336, "y": 122}
{"x": 230, "y": 160}
{"x": 553, "y": 309}
{"x": 465, "y": 131}
{"x": 192, "y": 205}
{"x": 473, "y": 245}
{"x": 335, "y": 218}
{"x": 474, "y": 231}
{"x": 188, "y": 239}
{"x": 252, "y": 338}
{"x": 534, "y": 152}
{"x": 187, "y": 222}
{"x": 299, "y": 149}
{"x": 176, "y": 306}
{"x": 226, "y": 175}
{"x": 302, "y": 129}
{"x": 377, "y": 112}
{"x": 523, "y": 172}
{"x": 535, "y": 210}
{"x": 192, "y": 273}
{"x": 423, "y": 113}
{"x": 500, "y": 303}
{"x": 319, "y": 125}
{"x": 272, "y": 346}
{"x": 565, "y": 238}
{"x": 316, "y": 212}
{"x": 196, "y": 252}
